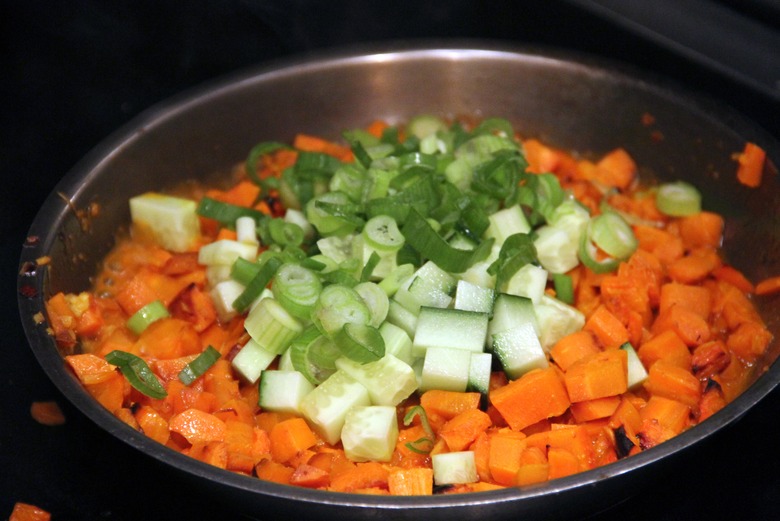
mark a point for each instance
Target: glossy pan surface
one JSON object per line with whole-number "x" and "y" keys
{"x": 568, "y": 101}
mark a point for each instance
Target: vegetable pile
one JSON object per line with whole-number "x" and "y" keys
{"x": 434, "y": 308}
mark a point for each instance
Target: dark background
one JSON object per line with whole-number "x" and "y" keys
{"x": 73, "y": 72}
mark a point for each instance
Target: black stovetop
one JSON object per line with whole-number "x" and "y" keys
{"x": 72, "y": 72}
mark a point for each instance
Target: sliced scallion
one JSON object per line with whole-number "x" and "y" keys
{"x": 338, "y": 305}
{"x": 145, "y": 316}
{"x": 613, "y": 235}
{"x": 199, "y": 365}
{"x": 564, "y": 289}
{"x": 382, "y": 234}
{"x": 314, "y": 355}
{"x": 360, "y": 342}
{"x": 137, "y": 373}
{"x": 258, "y": 283}
{"x": 225, "y": 213}
{"x": 297, "y": 289}
{"x": 422, "y": 237}
{"x": 258, "y": 151}
{"x": 678, "y": 199}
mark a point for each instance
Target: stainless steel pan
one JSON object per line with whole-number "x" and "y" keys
{"x": 569, "y": 101}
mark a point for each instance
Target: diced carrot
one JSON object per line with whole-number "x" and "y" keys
{"x": 198, "y": 426}
{"x": 309, "y": 476}
{"x": 751, "y": 165}
{"x": 90, "y": 369}
{"x": 768, "y": 286}
{"x": 243, "y": 193}
{"x": 410, "y": 482}
{"x": 196, "y": 307}
{"x": 481, "y": 449}
{"x": 226, "y": 234}
{"x": 733, "y": 305}
{"x": 671, "y": 415}
{"x": 597, "y": 376}
{"x": 109, "y": 392}
{"x": 736, "y": 278}
{"x": 239, "y": 409}
{"x": 464, "y": 428}
{"x": 749, "y": 341}
{"x": 616, "y": 169}
{"x": 711, "y": 402}
{"x": 90, "y": 321}
{"x": 695, "y": 266}
{"x": 181, "y": 263}
{"x": 47, "y": 413}
{"x": 168, "y": 369}
{"x": 689, "y": 326}
{"x": 561, "y": 463}
{"x": 573, "y": 347}
{"x": 152, "y": 424}
{"x": 126, "y": 416}
{"x": 308, "y": 143}
{"x": 541, "y": 158}
{"x": 607, "y": 328}
{"x": 627, "y": 416}
{"x": 693, "y": 298}
{"x": 377, "y": 128}
{"x": 535, "y": 396}
{"x": 289, "y": 437}
{"x": 531, "y": 473}
{"x": 448, "y": 404}
{"x": 276, "y": 472}
{"x": 666, "y": 346}
{"x": 671, "y": 381}
{"x": 361, "y": 476}
{"x": 506, "y": 447}
{"x": 595, "y": 409}
{"x": 666, "y": 246}
{"x": 28, "y": 512}
{"x": 709, "y": 359}
{"x": 404, "y": 456}
{"x": 219, "y": 380}
{"x": 701, "y": 229}
{"x": 193, "y": 398}
{"x": 135, "y": 295}
{"x": 168, "y": 338}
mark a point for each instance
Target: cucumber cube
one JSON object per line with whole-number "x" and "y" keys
{"x": 450, "y": 328}
{"x": 446, "y": 369}
{"x": 389, "y": 381}
{"x": 326, "y": 407}
{"x": 637, "y": 374}
{"x": 223, "y": 294}
{"x": 519, "y": 350}
{"x": 401, "y": 317}
{"x": 478, "y": 272}
{"x": 252, "y": 360}
{"x": 556, "y": 320}
{"x": 370, "y": 433}
{"x": 479, "y": 372}
{"x": 397, "y": 342}
{"x": 430, "y": 286}
{"x": 556, "y": 248}
{"x": 530, "y": 281}
{"x": 451, "y": 468}
{"x": 471, "y": 297}
{"x": 282, "y": 391}
{"x": 506, "y": 222}
{"x": 509, "y": 311}
{"x": 173, "y": 221}
{"x": 225, "y": 252}
{"x": 285, "y": 361}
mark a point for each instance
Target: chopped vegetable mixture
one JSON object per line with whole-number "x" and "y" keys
{"x": 438, "y": 307}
